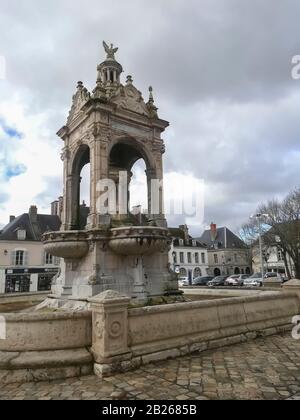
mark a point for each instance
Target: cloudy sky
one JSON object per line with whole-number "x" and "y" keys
{"x": 221, "y": 70}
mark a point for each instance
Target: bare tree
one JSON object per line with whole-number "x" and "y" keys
{"x": 281, "y": 228}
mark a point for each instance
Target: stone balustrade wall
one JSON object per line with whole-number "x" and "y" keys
{"x": 142, "y": 335}
{"x": 115, "y": 337}
{"x": 44, "y": 346}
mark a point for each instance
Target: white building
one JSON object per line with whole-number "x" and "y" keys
{"x": 227, "y": 253}
{"x": 187, "y": 256}
{"x": 24, "y": 265}
{"x": 273, "y": 260}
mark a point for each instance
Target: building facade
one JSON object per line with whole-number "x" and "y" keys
{"x": 273, "y": 260}
{"x": 227, "y": 253}
{"x": 24, "y": 265}
{"x": 188, "y": 257}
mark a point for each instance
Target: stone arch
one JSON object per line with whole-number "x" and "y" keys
{"x": 131, "y": 144}
{"x": 237, "y": 271}
{"x": 217, "y": 272}
{"x": 183, "y": 272}
{"x": 123, "y": 153}
{"x": 197, "y": 272}
{"x": 248, "y": 271}
{"x": 80, "y": 158}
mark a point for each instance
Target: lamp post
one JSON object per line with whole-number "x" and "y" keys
{"x": 259, "y": 217}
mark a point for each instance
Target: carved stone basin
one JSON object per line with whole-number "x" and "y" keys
{"x": 138, "y": 240}
{"x": 68, "y": 244}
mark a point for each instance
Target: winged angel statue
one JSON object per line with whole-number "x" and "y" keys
{"x": 110, "y": 51}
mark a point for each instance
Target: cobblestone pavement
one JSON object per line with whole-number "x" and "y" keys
{"x": 263, "y": 369}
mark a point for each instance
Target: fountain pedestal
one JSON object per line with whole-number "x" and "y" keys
{"x": 132, "y": 260}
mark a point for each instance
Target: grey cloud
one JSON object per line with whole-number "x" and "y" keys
{"x": 3, "y": 198}
{"x": 51, "y": 192}
{"x": 221, "y": 71}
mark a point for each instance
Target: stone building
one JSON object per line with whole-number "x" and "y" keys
{"x": 273, "y": 260}
{"x": 188, "y": 257}
{"x": 227, "y": 253}
{"x": 24, "y": 264}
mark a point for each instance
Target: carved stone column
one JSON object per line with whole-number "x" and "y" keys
{"x": 110, "y": 331}
{"x": 71, "y": 201}
{"x": 151, "y": 175}
{"x": 139, "y": 281}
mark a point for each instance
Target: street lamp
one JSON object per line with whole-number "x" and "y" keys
{"x": 259, "y": 217}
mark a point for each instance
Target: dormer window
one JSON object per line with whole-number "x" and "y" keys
{"x": 181, "y": 243}
{"x": 194, "y": 243}
{"x": 21, "y": 234}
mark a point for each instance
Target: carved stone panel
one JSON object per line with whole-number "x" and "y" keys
{"x": 131, "y": 99}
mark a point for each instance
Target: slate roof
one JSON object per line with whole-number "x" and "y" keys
{"x": 178, "y": 234}
{"x": 34, "y": 231}
{"x": 224, "y": 238}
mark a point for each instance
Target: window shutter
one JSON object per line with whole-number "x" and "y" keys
{"x": 25, "y": 258}
{"x": 13, "y": 258}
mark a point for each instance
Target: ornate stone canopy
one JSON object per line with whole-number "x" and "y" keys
{"x": 111, "y": 128}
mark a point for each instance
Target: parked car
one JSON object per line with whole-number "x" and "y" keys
{"x": 183, "y": 281}
{"x": 217, "y": 281}
{"x": 202, "y": 281}
{"x": 236, "y": 280}
{"x": 254, "y": 281}
{"x": 273, "y": 275}
{"x": 272, "y": 278}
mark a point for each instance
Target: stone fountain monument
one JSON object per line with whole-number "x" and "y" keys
{"x": 111, "y": 128}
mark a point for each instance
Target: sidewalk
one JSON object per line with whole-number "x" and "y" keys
{"x": 263, "y": 369}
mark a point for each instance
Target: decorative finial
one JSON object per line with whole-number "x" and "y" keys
{"x": 129, "y": 80}
{"x": 151, "y": 99}
{"x": 110, "y": 51}
{"x": 150, "y": 104}
{"x": 79, "y": 85}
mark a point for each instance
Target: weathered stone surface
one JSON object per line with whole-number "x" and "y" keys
{"x": 198, "y": 347}
{"x": 267, "y": 368}
{"x": 163, "y": 355}
{"x": 119, "y": 395}
{"x": 56, "y": 358}
{"x": 292, "y": 286}
{"x": 134, "y": 363}
{"x": 162, "y": 326}
{"x": 110, "y": 296}
{"x": 47, "y": 331}
{"x": 35, "y": 375}
{"x": 102, "y": 370}
{"x": 86, "y": 369}
{"x": 6, "y": 358}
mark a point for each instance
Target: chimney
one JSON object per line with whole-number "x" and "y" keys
{"x": 54, "y": 208}
{"x": 11, "y": 218}
{"x": 213, "y": 231}
{"x": 186, "y": 231}
{"x": 33, "y": 213}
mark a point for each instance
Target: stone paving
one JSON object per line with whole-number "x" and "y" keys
{"x": 267, "y": 368}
